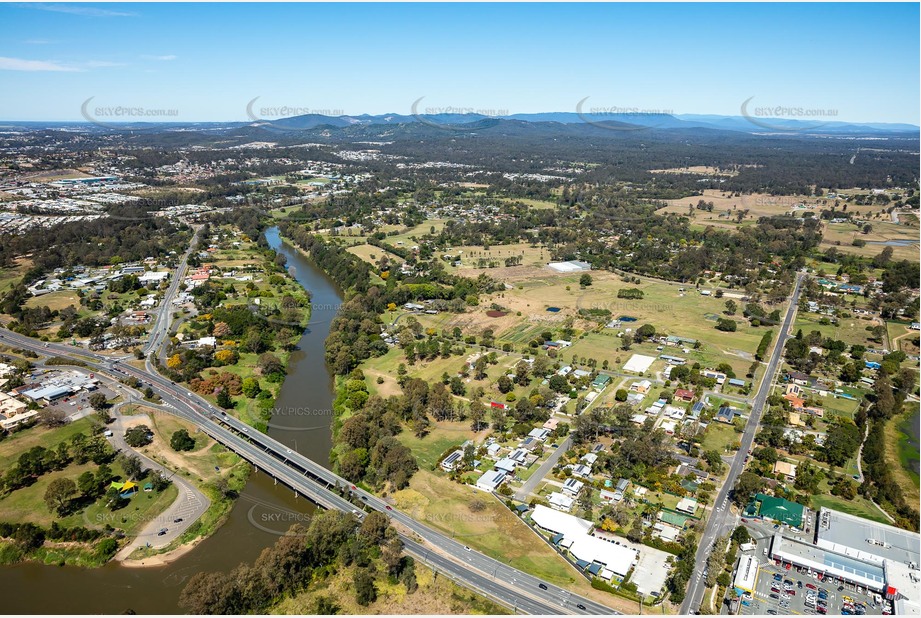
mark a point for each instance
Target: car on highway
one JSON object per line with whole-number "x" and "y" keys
{"x": 466, "y": 548}
{"x": 580, "y": 606}
{"x": 542, "y": 586}
{"x": 388, "y": 508}
{"x": 178, "y": 520}
{"x": 162, "y": 532}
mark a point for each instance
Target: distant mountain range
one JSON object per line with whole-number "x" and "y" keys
{"x": 476, "y": 122}
{"x": 622, "y": 121}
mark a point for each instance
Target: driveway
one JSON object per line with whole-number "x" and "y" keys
{"x": 189, "y": 505}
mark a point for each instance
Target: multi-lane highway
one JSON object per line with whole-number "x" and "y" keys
{"x": 722, "y": 520}
{"x": 516, "y": 589}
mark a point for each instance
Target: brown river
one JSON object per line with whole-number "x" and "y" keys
{"x": 302, "y": 419}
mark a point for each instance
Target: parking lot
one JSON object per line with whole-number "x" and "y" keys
{"x": 74, "y": 406}
{"x": 782, "y": 589}
{"x": 771, "y": 594}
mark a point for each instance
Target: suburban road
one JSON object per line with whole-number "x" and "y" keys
{"x": 524, "y": 493}
{"x": 495, "y": 579}
{"x": 722, "y": 520}
{"x": 160, "y": 328}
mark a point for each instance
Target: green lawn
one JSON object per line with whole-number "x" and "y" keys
{"x": 719, "y": 436}
{"x": 28, "y": 504}
{"x": 858, "y": 506}
{"x": 492, "y": 529}
{"x": 444, "y": 435}
{"x": 19, "y": 442}
{"x": 839, "y": 406}
{"x": 849, "y": 330}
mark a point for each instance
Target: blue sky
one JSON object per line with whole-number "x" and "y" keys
{"x": 208, "y": 61}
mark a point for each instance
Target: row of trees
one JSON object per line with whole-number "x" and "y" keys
{"x": 333, "y": 542}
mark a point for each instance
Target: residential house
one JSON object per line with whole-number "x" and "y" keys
{"x": 641, "y": 387}
{"x": 506, "y": 465}
{"x": 491, "y": 480}
{"x": 561, "y": 502}
{"x": 687, "y": 505}
{"x": 572, "y": 486}
{"x": 452, "y": 461}
{"x": 786, "y": 469}
{"x": 726, "y": 414}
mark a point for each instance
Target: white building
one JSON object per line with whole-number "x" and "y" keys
{"x": 639, "y": 363}
{"x": 490, "y": 481}
{"x": 561, "y": 502}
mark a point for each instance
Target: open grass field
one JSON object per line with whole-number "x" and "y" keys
{"x": 406, "y": 237}
{"x": 531, "y": 256}
{"x": 11, "y": 276}
{"x": 531, "y": 203}
{"x": 901, "y": 337}
{"x": 852, "y": 330}
{"x": 200, "y": 463}
{"x": 491, "y": 528}
{"x": 372, "y": 254}
{"x": 841, "y": 236}
{"x": 720, "y": 437}
{"x": 443, "y": 435}
{"x": 21, "y": 441}
{"x": 698, "y": 170}
{"x": 859, "y": 506}
{"x": 839, "y": 406}
{"x": 55, "y": 300}
{"x": 901, "y": 440}
{"x": 28, "y": 504}
{"x": 687, "y": 314}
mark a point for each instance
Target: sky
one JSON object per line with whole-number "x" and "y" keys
{"x": 238, "y": 61}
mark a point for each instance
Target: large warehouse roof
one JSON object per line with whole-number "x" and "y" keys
{"x": 837, "y": 529}
{"x": 554, "y": 521}
{"x": 617, "y": 558}
{"x": 639, "y": 363}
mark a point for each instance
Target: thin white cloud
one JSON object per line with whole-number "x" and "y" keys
{"x": 74, "y": 9}
{"x": 163, "y": 58}
{"x": 20, "y": 64}
{"x": 38, "y": 41}
{"x": 101, "y": 64}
